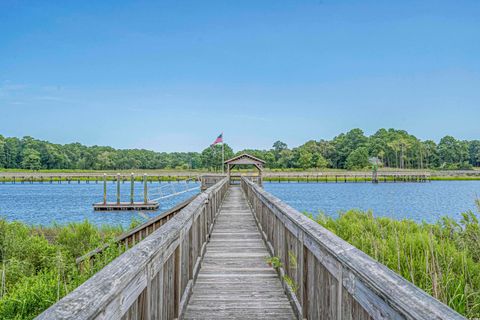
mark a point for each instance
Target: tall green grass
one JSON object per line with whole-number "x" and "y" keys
{"x": 443, "y": 258}
{"x": 37, "y": 264}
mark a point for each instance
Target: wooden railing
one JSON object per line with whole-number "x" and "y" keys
{"x": 132, "y": 237}
{"x": 154, "y": 279}
{"x": 208, "y": 180}
{"x": 327, "y": 278}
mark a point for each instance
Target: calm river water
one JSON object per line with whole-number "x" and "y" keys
{"x": 47, "y": 203}
{"x": 417, "y": 201}
{"x": 62, "y": 203}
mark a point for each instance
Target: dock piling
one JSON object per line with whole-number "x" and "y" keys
{"x": 104, "y": 188}
{"x": 145, "y": 191}
{"x": 128, "y": 205}
{"x": 132, "y": 183}
{"x": 118, "y": 188}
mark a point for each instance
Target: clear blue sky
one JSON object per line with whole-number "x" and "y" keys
{"x": 171, "y": 75}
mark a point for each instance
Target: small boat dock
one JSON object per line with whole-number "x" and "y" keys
{"x": 146, "y": 204}
{"x": 114, "y": 206}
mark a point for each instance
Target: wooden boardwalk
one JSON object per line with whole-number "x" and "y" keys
{"x": 208, "y": 262}
{"x": 234, "y": 281}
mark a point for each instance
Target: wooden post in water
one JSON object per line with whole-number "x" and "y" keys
{"x": 145, "y": 191}
{"x": 118, "y": 188}
{"x": 104, "y": 188}
{"x": 132, "y": 183}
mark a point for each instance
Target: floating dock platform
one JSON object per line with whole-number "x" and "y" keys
{"x": 114, "y": 206}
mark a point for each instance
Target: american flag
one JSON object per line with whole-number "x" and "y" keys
{"x": 218, "y": 140}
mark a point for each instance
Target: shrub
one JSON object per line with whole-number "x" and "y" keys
{"x": 37, "y": 264}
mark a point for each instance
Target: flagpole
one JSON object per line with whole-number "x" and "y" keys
{"x": 223, "y": 156}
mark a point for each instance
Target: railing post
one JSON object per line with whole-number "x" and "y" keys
{"x": 118, "y": 188}
{"x": 301, "y": 255}
{"x": 340, "y": 292}
{"x": 177, "y": 278}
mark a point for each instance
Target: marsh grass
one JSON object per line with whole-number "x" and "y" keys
{"x": 37, "y": 264}
{"x": 443, "y": 258}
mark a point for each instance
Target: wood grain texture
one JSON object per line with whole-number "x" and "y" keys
{"x": 235, "y": 281}
{"x": 153, "y": 279}
{"x": 208, "y": 262}
{"x": 339, "y": 281}
{"x": 140, "y": 232}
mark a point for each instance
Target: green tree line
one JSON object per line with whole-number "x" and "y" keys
{"x": 350, "y": 150}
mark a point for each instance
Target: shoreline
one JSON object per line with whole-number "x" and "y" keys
{"x": 25, "y": 176}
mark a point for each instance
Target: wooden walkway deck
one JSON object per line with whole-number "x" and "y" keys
{"x": 235, "y": 282}
{"x": 208, "y": 262}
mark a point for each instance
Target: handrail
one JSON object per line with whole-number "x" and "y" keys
{"x": 131, "y": 237}
{"x": 328, "y": 277}
{"x": 154, "y": 279}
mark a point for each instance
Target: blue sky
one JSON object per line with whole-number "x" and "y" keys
{"x": 171, "y": 75}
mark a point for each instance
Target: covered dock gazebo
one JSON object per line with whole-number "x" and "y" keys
{"x": 245, "y": 159}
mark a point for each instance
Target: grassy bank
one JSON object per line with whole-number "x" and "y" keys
{"x": 269, "y": 175}
{"x": 339, "y": 178}
{"x": 93, "y": 179}
{"x": 455, "y": 178}
{"x": 173, "y": 178}
{"x": 443, "y": 259}
{"x": 37, "y": 264}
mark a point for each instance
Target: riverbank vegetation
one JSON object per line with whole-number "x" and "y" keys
{"x": 37, "y": 264}
{"x": 443, "y": 258}
{"x": 351, "y": 150}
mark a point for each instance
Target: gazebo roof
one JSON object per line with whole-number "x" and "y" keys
{"x": 245, "y": 159}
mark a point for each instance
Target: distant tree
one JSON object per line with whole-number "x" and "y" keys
{"x": 2, "y": 152}
{"x": 305, "y": 159}
{"x": 327, "y": 151}
{"x": 278, "y": 147}
{"x": 452, "y": 152}
{"x": 321, "y": 162}
{"x": 474, "y": 153}
{"x": 12, "y": 150}
{"x": 347, "y": 143}
{"x": 105, "y": 161}
{"x": 394, "y": 148}
{"x": 430, "y": 154}
{"x": 286, "y": 159}
{"x": 358, "y": 159}
{"x": 31, "y": 159}
{"x": 212, "y": 156}
{"x": 269, "y": 158}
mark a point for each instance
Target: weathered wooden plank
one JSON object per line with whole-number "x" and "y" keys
{"x": 339, "y": 279}
{"x": 124, "y": 288}
{"x": 235, "y": 280}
